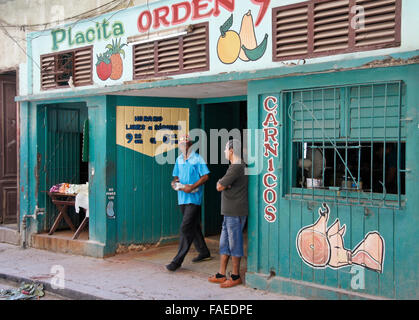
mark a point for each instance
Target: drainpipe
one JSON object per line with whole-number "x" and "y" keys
{"x": 36, "y": 213}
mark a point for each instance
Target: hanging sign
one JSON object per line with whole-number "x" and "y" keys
{"x": 146, "y": 129}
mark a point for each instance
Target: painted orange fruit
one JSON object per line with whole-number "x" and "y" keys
{"x": 229, "y": 47}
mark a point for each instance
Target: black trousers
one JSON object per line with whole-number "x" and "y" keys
{"x": 190, "y": 232}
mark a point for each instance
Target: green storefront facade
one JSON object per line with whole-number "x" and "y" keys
{"x": 330, "y": 242}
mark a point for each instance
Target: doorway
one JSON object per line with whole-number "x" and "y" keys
{"x": 60, "y": 156}
{"x": 226, "y": 115}
{"x": 8, "y": 149}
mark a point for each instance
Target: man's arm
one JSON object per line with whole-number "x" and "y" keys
{"x": 225, "y": 182}
{"x": 175, "y": 179}
{"x": 220, "y": 187}
{"x": 190, "y": 187}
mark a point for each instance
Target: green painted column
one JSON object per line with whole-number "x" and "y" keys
{"x": 24, "y": 159}
{"x": 102, "y": 222}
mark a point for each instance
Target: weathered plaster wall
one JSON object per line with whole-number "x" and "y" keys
{"x": 29, "y": 12}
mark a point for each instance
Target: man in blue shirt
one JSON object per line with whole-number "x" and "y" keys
{"x": 190, "y": 173}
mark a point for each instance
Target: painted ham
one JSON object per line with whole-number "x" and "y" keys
{"x": 370, "y": 252}
{"x": 312, "y": 242}
{"x": 320, "y": 247}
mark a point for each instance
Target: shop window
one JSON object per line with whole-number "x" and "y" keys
{"x": 348, "y": 144}
{"x": 63, "y": 69}
{"x": 319, "y": 28}
{"x": 183, "y": 54}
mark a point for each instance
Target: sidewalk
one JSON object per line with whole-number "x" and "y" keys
{"x": 126, "y": 276}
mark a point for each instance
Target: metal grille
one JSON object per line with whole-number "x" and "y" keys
{"x": 347, "y": 144}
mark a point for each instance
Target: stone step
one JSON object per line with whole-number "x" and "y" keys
{"x": 9, "y": 235}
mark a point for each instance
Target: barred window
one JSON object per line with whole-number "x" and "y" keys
{"x": 57, "y": 69}
{"x": 348, "y": 143}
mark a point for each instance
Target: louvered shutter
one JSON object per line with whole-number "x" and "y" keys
{"x": 195, "y": 49}
{"x": 382, "y": 22}
{"x": 188, "y": 53}
{"x": 331, "y": 26}
{"x": 48, "y": 72}
{"x": 143, "y": 60}
{"x": 83, "y": 65}
{"x": 291, "y": 31}
{"x": 78, "y": 64}
{"x": 323, "y": 27}
{"x": 168, "y": 56}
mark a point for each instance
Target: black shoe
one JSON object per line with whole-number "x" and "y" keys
{"x": 202, "y": 258}
{"x": 172, "y": 266}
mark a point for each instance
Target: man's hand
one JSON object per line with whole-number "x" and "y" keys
{"x": 176, "y": 179}
{"x": 188, "y": 188}
{"x": 220, "y": 187}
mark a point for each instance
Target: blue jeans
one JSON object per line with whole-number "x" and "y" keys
{"x": 231, "y": 240}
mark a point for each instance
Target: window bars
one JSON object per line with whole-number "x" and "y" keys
{"x": 347, "y": 144}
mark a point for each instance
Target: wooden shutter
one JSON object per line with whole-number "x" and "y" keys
{"x": 331, "y": 26}
{"x": 188, "y": 53}
{"x": 195, "y": 49}
{"x": 382, "y": 22}
{"x": 48, "y": 72}
{"x": 143, "y": 60}
{"x": 80, "y": 68}
{"x": 291, "y": 31}
{"x": 83, "y": 65}
{"x": 323, "y": 27}
{"x": 168, "y": 56}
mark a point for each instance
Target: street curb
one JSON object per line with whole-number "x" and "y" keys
{"x": 66, "y": 293}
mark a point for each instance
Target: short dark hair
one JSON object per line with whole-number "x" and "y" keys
{"x": 236, "y": 146}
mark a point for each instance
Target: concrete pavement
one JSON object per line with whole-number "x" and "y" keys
{"x": 126, "y": 276}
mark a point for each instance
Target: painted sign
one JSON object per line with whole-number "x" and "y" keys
{"x": 100, "y": 31}
{"x": 238, "y": 38}
{"x": 181, "y": 12}
{"x": 146, "y": 129}
{"x": 270, "y": 152}
{"x": 322, "y": 247}
{"x": 109, "y": 64}
{"x": 232, "y": 45}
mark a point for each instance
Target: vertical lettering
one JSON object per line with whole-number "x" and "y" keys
{"x": 270, "y": 213}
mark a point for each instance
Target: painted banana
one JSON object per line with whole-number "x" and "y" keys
{"x": 258, "y": 52}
